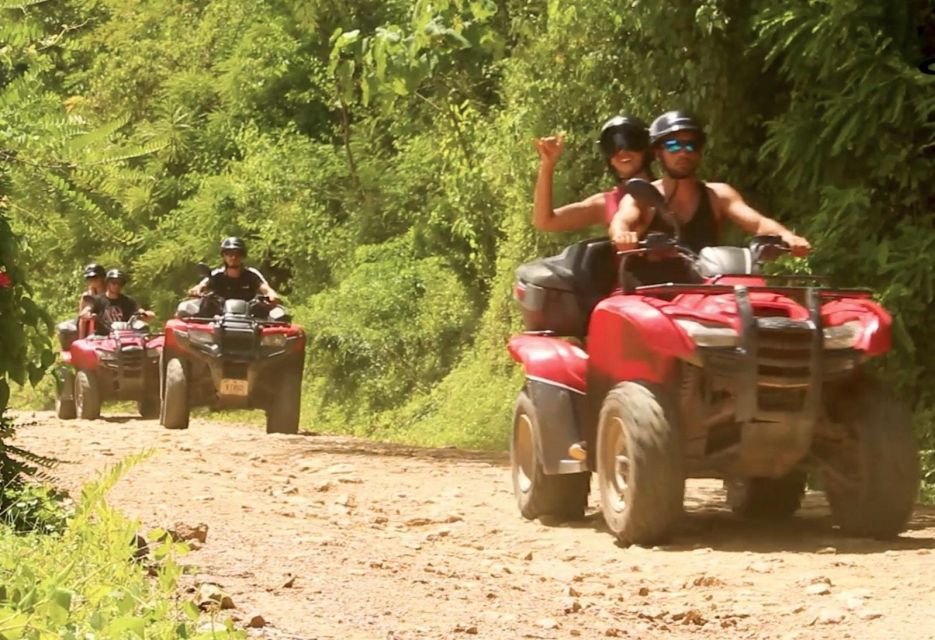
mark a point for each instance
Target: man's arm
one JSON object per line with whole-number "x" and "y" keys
{"x": 88, "y": 310}
{"x": 625, "y": 227}
{"x": 732, "y": 206}
{"x": 199, "y": 289}
{"x": 569, "y": 217}
{"x": 269, "y": 292}
{"x": 134, "y": 307}
{"x": 262, "y": 286}
{"x": 88, "y": 307}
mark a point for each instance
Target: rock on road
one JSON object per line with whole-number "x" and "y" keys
{"x": 331, "y": 537}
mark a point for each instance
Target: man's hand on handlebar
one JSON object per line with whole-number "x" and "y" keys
{"x": 798, "y": 245}
{"x": 626, "y": 240}
{"x": 197, "y": 291}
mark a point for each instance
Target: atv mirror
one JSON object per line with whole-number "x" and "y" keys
{"x": 203, "y": 270}
{"x": 648, "y": 195}
{"x": 645, "y": 193}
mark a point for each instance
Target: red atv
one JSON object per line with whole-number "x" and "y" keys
{"x": 247, "y": 355}
{"x": 737, "y": 375}
{"x": 123, "y": 365}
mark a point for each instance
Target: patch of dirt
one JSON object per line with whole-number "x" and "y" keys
{"x": 327, "y": 537}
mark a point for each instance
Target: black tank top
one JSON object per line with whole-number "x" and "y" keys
{"x": 699, "y": 232}
{"x": 701, "y": 229}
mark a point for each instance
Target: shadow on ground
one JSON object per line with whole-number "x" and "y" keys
{"x": 709, "y": 523}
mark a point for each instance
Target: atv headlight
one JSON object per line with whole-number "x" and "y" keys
{"x": 201, "y": 337}
{"x": 704, "y": 335}
{"x": 152, "y": 353}
{"x": 273, "y": 340}
{"x": 842, "y": 336}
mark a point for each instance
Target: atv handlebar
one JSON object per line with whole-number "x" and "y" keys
{"x": 658, "y": 242}
{"x": 762, "y": 247}
{"x": 768, "y": 247}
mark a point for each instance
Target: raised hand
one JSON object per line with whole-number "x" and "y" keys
{"x": 550, "y": 148}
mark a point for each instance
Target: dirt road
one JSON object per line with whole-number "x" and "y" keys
{"x": 329, "y": 537}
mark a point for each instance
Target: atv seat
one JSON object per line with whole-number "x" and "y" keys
{"x": 558, "y": 293}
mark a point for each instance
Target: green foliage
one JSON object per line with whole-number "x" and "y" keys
{"x": 82, "y": 581}
{"x": 24, "y": 326}
{"x": 391, "y": 329}
{"x": 33, "y": 508}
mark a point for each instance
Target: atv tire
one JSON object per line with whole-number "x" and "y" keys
{"x": 766, "y": 499}
{"x": 65, "y": 408}
{"x": 640, "y": 469}
{"x": 148, "y": 407}
{"x": 175, "y": 408}
{"x": 875, "y": 480}
{"x": 563, "y": 496}
{"x": 282, "y": 416}
{"x": 87, "y": 395}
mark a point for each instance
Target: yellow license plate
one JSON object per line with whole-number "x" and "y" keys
{"x": 232, "y": 387}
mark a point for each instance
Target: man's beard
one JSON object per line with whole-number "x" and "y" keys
{"x": 678, "y": 174}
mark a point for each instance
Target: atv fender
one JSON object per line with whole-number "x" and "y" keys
{"x": 84, "y": 355}
{"x": 556, "y": 373}
{"x": 551, "y": 360}
{"x": 876, "y": 337}
{"x": 557, "y": 426}
{"x": 632, "y": 338}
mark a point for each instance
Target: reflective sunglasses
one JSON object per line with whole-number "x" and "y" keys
{"x": 674, "y": 146}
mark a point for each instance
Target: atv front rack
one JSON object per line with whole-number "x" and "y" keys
{"x": 209, "y": 320}
{"x": 786, "y": 278}
{"x": 774, "y": 357}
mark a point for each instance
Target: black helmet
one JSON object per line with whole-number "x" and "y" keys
{"x": 623, "y": 132}
{"x": 93, "y": 270}
{"x": 234, "y": 244}
{"x": 672, "y": 121}
{"x": 118, "y": 275}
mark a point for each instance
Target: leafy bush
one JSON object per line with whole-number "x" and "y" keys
{"x": 83, "y": 581}
{"x": 390, "y": 330}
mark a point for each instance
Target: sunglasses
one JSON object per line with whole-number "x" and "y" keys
{"x": 674, "y": 146}
{"x": 624, "y": 141}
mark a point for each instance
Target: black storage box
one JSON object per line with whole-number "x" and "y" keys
{"x": 558, "y": 293}
{"x": 67, "y": 333}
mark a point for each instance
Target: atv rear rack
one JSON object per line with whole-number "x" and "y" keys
{"x": 712, "y": 289}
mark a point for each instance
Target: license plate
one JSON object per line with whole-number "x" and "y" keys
{"x": 233, "y": 387}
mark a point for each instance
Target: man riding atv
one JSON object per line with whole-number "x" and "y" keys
{"x": 624, "y": 142}
{"x": 699, "y": 207}
{"x": 232, "y": 280}
{"x": 113, "y": 306}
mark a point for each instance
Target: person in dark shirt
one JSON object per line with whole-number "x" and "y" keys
{"x": 233, "y": 280}
{"x": 112, "y": 306}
